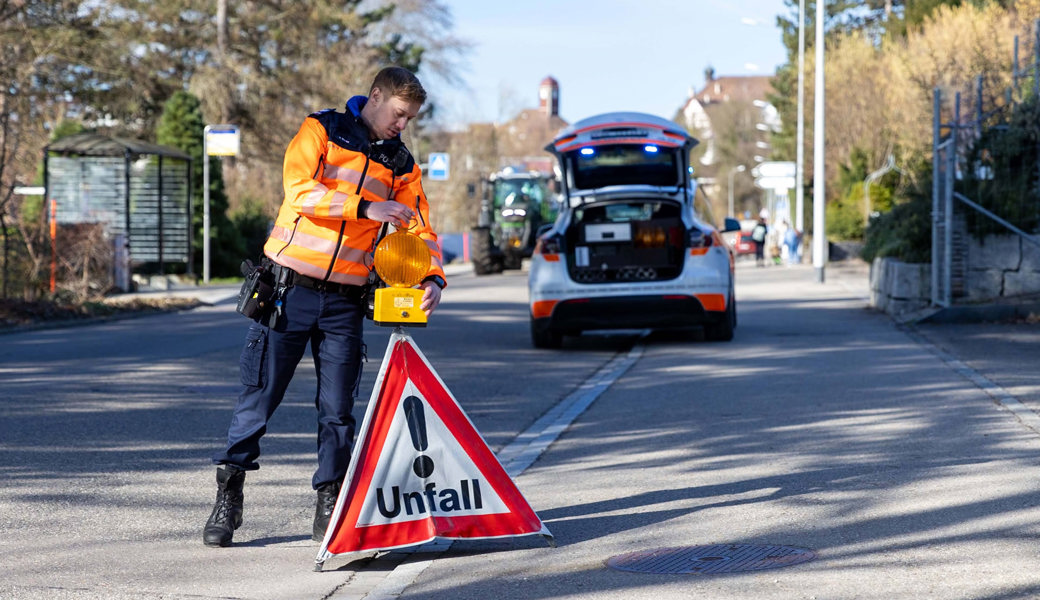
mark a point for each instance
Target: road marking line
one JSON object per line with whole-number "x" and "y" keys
{"x": 516, "y": 457}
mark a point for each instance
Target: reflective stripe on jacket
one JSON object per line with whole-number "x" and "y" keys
{"x": 330, "y": 166}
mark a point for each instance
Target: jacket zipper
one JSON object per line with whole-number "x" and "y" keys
{"x": 343, "y": 225}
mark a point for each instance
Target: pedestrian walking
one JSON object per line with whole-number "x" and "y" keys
{"x": 793, "y": 243}
{"x": 758, "y": 236}
{"x": 345, "y": 174}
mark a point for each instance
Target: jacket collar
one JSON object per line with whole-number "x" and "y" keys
{"x": 354, "y": 106}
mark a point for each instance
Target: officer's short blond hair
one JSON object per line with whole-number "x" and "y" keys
{"x": 399, "y": 82}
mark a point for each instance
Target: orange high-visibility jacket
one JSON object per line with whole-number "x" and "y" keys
{"x": 330, "y": 166}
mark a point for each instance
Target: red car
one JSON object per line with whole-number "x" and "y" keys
{"x": 743, "y": 244}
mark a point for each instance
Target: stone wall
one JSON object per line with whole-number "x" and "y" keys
{"x": 900, "y": 288}
{"x": 1001, "y": 266}
{"x": 998, "y": 268}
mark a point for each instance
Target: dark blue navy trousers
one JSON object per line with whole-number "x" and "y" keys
{"x": 332, "y": 326}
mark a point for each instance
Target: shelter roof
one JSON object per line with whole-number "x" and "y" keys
{"x": 93, "y": 144}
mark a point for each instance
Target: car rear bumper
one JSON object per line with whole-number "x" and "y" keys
{"x": 628, "y": 312}
{"x": 700, "y": 295}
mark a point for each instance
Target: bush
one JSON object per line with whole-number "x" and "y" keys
{"x": 254, "y": 224}
{"x": 1001, "y": 173}
{"x": 905, "y": 232}
{"x": 845, "y": 216}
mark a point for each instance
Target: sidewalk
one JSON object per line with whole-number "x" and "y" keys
{"x": 217, "y": 293}
{"x": 823, "y": 425}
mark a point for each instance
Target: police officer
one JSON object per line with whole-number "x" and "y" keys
{"x": 345, "y": 175}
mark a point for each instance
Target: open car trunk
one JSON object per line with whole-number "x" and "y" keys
{"x": 626, "y": 240}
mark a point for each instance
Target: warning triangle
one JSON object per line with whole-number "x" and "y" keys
{"x": 420, "y": 470}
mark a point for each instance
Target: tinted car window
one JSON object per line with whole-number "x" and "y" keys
{"x": 622, "y": 212}
{"x": 624, "y": 164}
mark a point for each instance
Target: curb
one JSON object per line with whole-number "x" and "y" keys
{"x": 982, "y": 313}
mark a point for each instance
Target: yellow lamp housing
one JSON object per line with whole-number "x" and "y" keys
{"x": 401, "y": 261}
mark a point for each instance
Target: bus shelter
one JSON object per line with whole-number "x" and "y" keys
{"x": 140, "y": 192}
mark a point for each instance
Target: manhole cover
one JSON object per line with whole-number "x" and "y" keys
{"x": 717, "y": 558}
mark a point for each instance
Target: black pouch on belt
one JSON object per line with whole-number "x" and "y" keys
{"x": 256, "y": 298}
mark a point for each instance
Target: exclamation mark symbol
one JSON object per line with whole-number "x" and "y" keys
{"x": 413, "y": 412}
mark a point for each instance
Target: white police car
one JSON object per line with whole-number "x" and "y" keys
{"x": 634, "y": 246}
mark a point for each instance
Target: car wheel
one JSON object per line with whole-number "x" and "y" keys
{"x": 722, "y": 331}
{"x": 482, "y": 253}
{"x": 545, "y": 336}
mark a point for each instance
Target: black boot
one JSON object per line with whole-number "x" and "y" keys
{"x": 327, "y": 494}
{"x": 227, "y": 512}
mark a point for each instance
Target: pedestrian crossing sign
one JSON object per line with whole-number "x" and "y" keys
{"x": 439, "y": 166}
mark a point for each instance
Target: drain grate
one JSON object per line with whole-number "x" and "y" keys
{"x": 706, "y": 560}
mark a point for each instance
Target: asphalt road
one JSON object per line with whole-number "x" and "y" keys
{"x": 906, "y": 459}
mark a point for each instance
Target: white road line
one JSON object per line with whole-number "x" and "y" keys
{"x": 520, "y": 454}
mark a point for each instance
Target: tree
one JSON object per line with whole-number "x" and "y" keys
{"x": 735, "y": 135}
{"x": 182, "y": 126}
{"x": 475, "y": 153}
{"x": 882, "y": 69}
{"x": 260, "y": 64}
{"x": 949, "y": 49}
{"x": 285, "y": 59}
{"x": 30, "y": 98}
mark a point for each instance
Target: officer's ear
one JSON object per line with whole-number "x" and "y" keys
{"x": 375, "y": 97}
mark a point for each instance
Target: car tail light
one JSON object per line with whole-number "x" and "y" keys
{"x": 699, "y": 239}
{"x": 549, "y": 245}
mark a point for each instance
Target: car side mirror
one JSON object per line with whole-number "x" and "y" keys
{"x": 731, "y": 224}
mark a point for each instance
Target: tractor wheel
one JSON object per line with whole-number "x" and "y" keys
{"x": 481, "y": 252}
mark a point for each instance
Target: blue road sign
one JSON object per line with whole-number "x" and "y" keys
{"x": 439, "y": 166}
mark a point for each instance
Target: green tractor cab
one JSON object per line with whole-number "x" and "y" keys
{"x": 514, "y": 206}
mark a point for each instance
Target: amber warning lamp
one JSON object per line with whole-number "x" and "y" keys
{"x": 401, "y": 261}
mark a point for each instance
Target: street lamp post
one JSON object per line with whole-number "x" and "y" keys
{"x": 799, "y": 176}
{"x": 732, "y": 172}
{"x": 819, "y": 172}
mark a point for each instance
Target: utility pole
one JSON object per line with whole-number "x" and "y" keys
{"x": 819, "y": 170}
{"x": 799, "y": 175}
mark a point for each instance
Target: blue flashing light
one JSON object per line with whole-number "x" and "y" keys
{"x": 587, "y": 151}
{"x": 650, "y": 148}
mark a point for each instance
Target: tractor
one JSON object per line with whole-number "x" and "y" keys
{"x": 515, "y": 204}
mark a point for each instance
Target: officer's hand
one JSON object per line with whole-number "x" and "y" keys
{"x": 431, "y": 297}
{"x": 390, "y": 211}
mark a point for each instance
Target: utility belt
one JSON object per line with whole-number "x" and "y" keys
{"x": 351, "y": 292}
{"x": 263, "y": 290}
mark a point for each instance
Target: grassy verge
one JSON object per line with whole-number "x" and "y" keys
{"x": 17, "y": 314}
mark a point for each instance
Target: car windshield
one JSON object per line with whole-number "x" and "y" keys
{"x": 624, "y": 164}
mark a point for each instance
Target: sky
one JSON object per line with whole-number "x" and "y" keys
{"x": 607, "y": 55}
